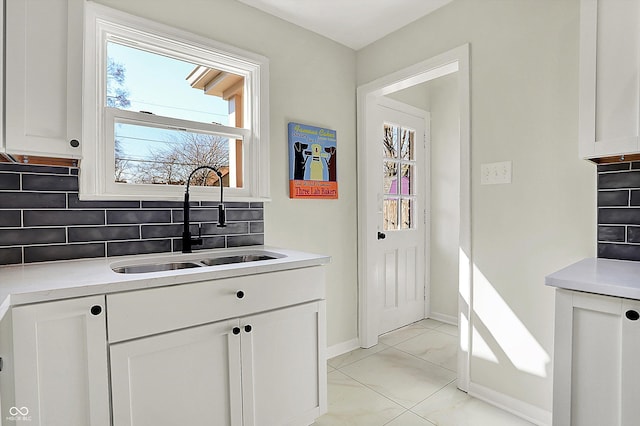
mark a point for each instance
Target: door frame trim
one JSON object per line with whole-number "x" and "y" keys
{"x": 452, "y": 61}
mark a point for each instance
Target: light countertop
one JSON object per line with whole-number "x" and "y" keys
{"x": 31, "y": 283}
{"x": 608, "y": 277}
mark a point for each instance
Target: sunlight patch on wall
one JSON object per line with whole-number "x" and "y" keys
{"x": 481, "y": 349}
{"x": 464, "y": 293}
{"x": 515, "y": 340}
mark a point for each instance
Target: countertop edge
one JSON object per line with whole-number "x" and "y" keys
{"x": 607, "y": 277}
{"x": 94, "y": 276}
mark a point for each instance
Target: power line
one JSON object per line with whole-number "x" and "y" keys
{"x": 179, "y": 108}
{"x": 163, "y": 162}
{"x": 117, "y": 136}
{"x": 144, "y": 139}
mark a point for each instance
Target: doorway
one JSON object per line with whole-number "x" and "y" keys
{"x": 371, "y": 277}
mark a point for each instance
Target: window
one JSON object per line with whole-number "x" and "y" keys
{"x": 160, "y": 102}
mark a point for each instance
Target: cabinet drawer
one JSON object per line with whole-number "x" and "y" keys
{"x": 151, "y": 311}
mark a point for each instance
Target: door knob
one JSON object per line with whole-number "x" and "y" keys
{"x": 632, "y": 315}
{"x": 381, "y": 235}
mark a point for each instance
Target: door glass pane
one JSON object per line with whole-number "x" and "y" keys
{"x": 390, "y": 214}
{"x": 390, "y": 141}
{"x": 406, "y": 213}
{"x": 407, "y": 179}
{"x": 406, "y": 144}
{"x": 390, "y": 176}
{"x": 399, "y": 163}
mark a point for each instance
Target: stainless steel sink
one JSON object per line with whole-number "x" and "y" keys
{"x": 169, "y": 265}
{"x": 225, "y": 260}
{"x": 155, "y": 267}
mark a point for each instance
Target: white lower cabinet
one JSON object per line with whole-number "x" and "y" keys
{"x": 261, "y": 370}
{"x": 241, "y": 351}
{"x": 189, "y": 377}
{"x": 283, "y": 366}
{"x": 596, "y": 368}
{"x": 59, "y": 362}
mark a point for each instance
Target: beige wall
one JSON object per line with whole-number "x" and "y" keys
{"x": 445, "y": 196}
{"x": 524, "y": 71}
{"x": 524, "y": 109}
{"x": 311, "y": 81}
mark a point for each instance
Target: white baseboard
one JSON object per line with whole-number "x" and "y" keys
{"x": 514, "y": 406}
{"x": 342, "y": 348}
{"x": 448, "y": 319}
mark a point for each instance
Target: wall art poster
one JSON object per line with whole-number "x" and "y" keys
{"x": 312, "y": 162}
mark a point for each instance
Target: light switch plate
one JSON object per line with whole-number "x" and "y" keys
{"x": 495, "y": 173}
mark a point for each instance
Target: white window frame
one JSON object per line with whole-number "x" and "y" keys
{"x": 97, "y": 166}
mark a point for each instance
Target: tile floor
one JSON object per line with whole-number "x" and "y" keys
{"x": 407, "y": 379}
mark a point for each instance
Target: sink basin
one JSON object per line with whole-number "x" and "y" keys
{"x": 154, "y": 267}
{"x": 169, "y": 265}
{"x": 225, "y": 260}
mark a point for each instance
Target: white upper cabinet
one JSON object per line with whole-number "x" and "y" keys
{"x": 43, "y": 75}
{"x": 609, "y": 78}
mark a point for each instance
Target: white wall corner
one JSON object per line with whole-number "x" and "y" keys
{"x": 445, "y": 318}
{"x": 512, "y": 405}
{"x": 342, "y": 348}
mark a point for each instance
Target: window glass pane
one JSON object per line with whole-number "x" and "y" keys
{"x": 165, "y": 156}
{"x": 390, "y": 214}
{"x": 406, "y": 213}
{"x": 390, "y": 142}
{"x": 138, "y": 80}
{"x": 406, "y": 144}
{"x": 406, "y": 180}
{"x": 390, "y": 177}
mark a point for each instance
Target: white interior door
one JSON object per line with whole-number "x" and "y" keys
{"x": 398, "y": 181}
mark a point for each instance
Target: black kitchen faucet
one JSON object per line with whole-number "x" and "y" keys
{"x": 187, "y": 240}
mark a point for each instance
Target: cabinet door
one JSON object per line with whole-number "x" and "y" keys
{"x": 60, "y": 362}
{"x": 630, "y": 363}
{"x": 186, "y": 377}
{"x": 609, "y": 77}
{"x": 284, "y": 366}
{"x": 43, "y": 90}
{"x": 596, "y": 369}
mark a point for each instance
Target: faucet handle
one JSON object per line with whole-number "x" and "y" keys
{"x": 198, "y": 241}
{"x": 222, "y": 217}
